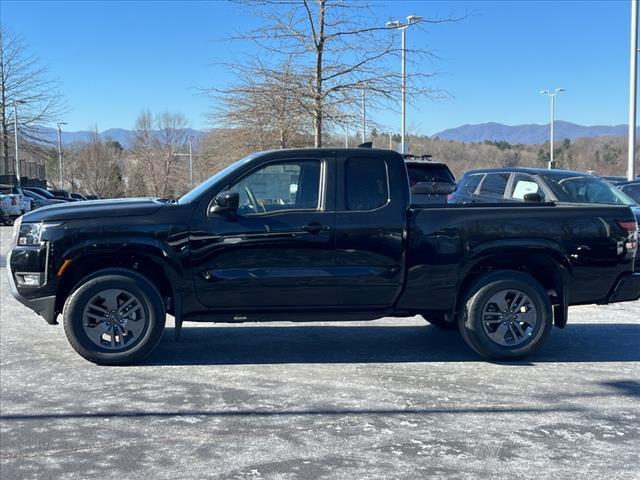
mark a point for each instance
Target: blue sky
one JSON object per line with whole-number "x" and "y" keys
{"x": 117, "y": 58}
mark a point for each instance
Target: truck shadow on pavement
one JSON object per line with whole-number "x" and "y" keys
{"x": 608, "y": 342}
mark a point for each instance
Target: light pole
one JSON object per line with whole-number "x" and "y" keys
{"x": 364, "y": 115}
{"x": 60, "y": 150}
{"x": 633, "y": 70}
{"x": 411, "y": 19}
{"x": 15, "y": 131}
{"x": 552, "y": 95}
{"x": 191, "y": 161}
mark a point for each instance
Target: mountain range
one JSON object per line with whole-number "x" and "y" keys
{"x": 530, "y": 133}
{"x": 121, "y": 135}
{"x": 514, "y": 134}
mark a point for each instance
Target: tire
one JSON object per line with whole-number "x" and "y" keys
{"x": 497, "y": 335}
{"x": 438, "y": 319}
{"x": 98, "y": 339}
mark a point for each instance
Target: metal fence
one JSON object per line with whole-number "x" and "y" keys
{"x": 28, "y": 169}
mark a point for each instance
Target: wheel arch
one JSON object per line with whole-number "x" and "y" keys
{"x": 547, "y": 267}
{"x": 144, "y": 261}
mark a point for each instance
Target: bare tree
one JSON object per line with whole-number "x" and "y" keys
{"x": 98, "y": 163}
{"x": 265, "y": 104}
{"x": 338, "y": 48}
{"x": 24, "y": 79}
{"x": 157, "y": 142}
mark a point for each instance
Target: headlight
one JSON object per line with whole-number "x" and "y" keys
{"x": 16, "y": 230}
{"x": 31, "y": 233}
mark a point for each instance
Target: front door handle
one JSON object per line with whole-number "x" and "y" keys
{"x": 315, "y": 227}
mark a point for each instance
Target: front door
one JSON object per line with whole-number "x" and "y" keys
{"x": 278, "y": 249}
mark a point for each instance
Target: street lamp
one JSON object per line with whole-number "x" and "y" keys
{"x": 552, "y": 95}
{"x": 60, "y": 150}
{"x": 191, "y": 137}
{"x": 411, "y": 19}
{"x": 633, "y": 71}
{"x": 15, "y": 128}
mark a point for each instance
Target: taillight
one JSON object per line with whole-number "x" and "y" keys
{"x": 14, "y": 201}
{"x": 630, "y": 226}
{"x": 631, "y": 242}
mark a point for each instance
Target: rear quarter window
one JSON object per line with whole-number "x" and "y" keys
{"x": 494, "y": 185}
{"x": 366, "y": 184}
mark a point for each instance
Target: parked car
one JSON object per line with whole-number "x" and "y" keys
{"x": 64, "y": 195}
{"x": 40, "y": 201}
{"x": 11, "y": 206}
{"x": 5, "y": 219}
{"x": 40, "y": 191}
{"x": 77, "y": 196}
{"x": 429, "y": 182}
{"x": 91, "y": 197}
{"x": 24, "y": 202}
{"x": 613, "y": 178}
{"x": 318, "y": 234}
{"x": 630, "y": 188}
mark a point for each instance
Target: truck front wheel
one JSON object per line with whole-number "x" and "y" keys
{"x": 505, "y": 315}
{"x": 114, "y": 317}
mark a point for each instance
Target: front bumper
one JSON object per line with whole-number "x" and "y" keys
{"x": 627, "y": 289}
{"x": 43, "y": 306}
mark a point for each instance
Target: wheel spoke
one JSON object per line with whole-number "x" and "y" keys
{"x": 110, "y": 298}
{"x": 500, "y": 301}
{"x": 98, "y": 308}
{"x": 95, "y": 332}
{"x": 132, "y": 300}
{"x": 518, "y": 329}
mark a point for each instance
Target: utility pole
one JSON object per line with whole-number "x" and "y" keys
{"x": 15, "y": 131}
{"x": 346, "y": 135}
{"x": 60, "y": 152}
{"x": 552, "y": 95}
{"x": 633, "y": 70}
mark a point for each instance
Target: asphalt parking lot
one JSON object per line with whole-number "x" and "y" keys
{"x": 394, "y": 398}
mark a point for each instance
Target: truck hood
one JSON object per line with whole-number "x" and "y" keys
{"x": 120, "y": 207}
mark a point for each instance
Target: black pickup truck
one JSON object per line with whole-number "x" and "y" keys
{"x": 317, "y": 234}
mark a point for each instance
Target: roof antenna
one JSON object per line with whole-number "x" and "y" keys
{"x": 366, "y": 145}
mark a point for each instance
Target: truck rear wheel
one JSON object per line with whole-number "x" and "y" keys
{"x": 506, "y": 315}
{"x": 114, "y": 317}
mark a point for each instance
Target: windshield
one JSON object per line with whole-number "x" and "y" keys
{"x": 585, "y": 189}
{"x": 207, "y": 184}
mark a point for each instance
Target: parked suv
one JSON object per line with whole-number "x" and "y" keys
{"x": 536, "y": 185}
{"x": 430, "y": 182}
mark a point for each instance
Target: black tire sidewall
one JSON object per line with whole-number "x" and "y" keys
{"x": 131, "y": 282}
{"x": 479, "y": 295}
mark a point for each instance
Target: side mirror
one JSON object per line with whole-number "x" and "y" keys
{"x": 532, "y": 197}
{"x": 433, "y": 188}
{"x": 225, "y": 203}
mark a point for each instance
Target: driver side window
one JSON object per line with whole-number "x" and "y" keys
{"x": 282, "y": 186}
